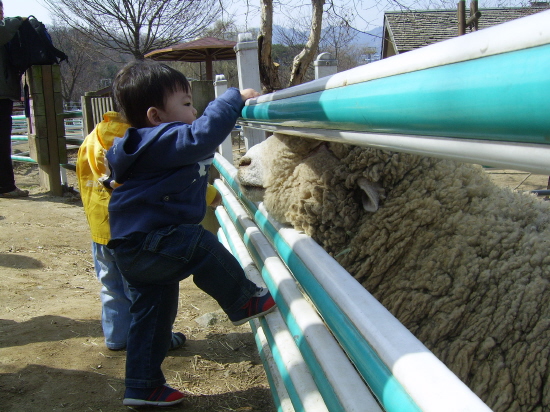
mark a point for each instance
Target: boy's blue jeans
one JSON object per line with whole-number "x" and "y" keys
{"x": 154, "y": 264}
{"x": 114, "y": 296}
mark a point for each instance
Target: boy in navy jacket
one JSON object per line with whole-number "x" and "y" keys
{"x": 162, "y": 163}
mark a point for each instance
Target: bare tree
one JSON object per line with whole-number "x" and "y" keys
{"x": 306, "y": 56}
{"x": 136, "y": 27}
{"x": 290, "y": 43}
{"x": 71, "y": 71}
{"x": 345, "y": 18}
{"x": 86, "y": 67}
{"x": 269, "y": 74}
{"x": 268, "y": 69}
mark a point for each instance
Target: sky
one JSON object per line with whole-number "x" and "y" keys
{"x": 26, "y": 8}
{"x": 251, "y": 19}
{"x": 35, "y": 8}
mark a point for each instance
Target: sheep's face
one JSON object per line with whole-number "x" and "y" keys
{"x": 264, "y": 164}
{"x": 298, "y": 181}
{"x": 251, "y": 172}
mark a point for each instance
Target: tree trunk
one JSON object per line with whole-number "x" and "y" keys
{"x": 306, "y": 56}
{"x": 269, "y": 74}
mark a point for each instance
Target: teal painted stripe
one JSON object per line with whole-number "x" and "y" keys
{"x": 296, "y": 402}
{"x": 503, "y": 97}
{"x": 293, "y": 394}
{"x": 234, "y": 185}
{"x": 263, "y": 357}
{"x": 383, "y": 384}
{"x": 289, "y": 385}
{"x": 267, "y": 369}
{"x": 228, "y": 238}
{"x": 325, "y": 388}
{"x": 23, "y": 159}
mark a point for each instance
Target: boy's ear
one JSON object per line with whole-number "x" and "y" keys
{"x": 153, "y": 116}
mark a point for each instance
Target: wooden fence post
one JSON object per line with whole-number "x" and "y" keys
{"x": 47, "y": 130}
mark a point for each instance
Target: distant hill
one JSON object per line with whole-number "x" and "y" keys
{"x": 372, "y": 38}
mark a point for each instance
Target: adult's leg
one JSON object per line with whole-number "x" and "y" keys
{"x": 115, "y": 298}
{"x": 7, "y": 179}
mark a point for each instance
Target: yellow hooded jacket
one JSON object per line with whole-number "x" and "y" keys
{"x": 92, "y": 170}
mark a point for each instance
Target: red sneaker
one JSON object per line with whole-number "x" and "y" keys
{"x": 261, "y": 303}
{"x": 159, "y": 396}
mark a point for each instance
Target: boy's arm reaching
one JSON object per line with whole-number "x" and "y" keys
{"x": 176, "y": 144}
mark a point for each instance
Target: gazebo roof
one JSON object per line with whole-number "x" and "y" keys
{"x": 200, "y": 50}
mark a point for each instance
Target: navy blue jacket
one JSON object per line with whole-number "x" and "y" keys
{"x": 164, "y": 169}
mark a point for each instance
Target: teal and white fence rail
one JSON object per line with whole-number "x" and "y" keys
{"x": 480, "y": 98}
{"x": 335, "y": 348}
{"x": 320, "y": 371}
{"x": 73, "y": 136}
{"x": 72, "y": 121}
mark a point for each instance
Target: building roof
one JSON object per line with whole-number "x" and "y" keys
{"x": 409, "y": 30}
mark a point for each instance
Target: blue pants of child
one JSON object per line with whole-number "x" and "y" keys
{"x": 114, "y": 296}
{"x": 154, "y": 264}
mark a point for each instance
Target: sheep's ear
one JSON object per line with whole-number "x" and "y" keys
{"x": 371, "y": 194}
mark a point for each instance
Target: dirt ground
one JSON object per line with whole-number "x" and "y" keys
{"x": 52, "y": 355}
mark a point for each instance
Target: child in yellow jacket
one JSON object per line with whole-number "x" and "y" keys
{"x": 95, "y": 191}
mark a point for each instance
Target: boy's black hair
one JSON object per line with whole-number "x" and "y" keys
{"x": 143, "y": 84}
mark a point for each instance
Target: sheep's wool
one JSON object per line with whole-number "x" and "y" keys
{"x": 461, "y": 262}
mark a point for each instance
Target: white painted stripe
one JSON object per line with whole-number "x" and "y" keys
{"x": 507, "y": 155}
{"x": 348, "y": 385}
{"x": 425, "y": 378}
{"x": 284, "y": 398}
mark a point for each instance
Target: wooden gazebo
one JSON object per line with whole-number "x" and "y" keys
{"x": 206, "y": 49}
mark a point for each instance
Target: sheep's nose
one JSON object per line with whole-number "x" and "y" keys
{"x": 245, "y": 161}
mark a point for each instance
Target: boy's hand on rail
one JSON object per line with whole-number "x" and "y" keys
{"x": 249, "y": 94}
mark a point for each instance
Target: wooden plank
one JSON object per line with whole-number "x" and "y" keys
{"x": 39, "y": 125}
{"x": 62, "y": 149}
{"x": 54, "y": 170}
{"x": 38, "y": 149}
{"x": 34, "y": 80}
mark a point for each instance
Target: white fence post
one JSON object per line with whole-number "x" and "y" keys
{"x": 249, "y": 77}
{"x": 226, "y": 148}
{"x": 325, "y": 65}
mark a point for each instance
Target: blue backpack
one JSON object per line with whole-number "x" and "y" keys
{"x": 32, "y": 45}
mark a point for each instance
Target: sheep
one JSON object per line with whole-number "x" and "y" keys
{"x": 461, "y": 262}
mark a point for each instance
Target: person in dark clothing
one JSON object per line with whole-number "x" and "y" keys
{"x": 10, "y": 91}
